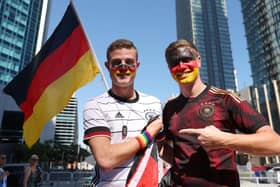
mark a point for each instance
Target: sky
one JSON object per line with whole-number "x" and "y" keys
{"x": 151, "y": 25}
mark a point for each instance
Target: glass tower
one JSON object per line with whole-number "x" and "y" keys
{"x": 205, "y": 23}
{"x": 66, "y": 124}
{"x": 262, "y": 27}
{"x": 22, "y": 25}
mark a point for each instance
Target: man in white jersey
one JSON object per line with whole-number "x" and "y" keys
{"x": 114, "y": 121}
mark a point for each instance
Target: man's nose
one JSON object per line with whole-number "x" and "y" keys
{"x": 181, "y": 64}
{"x": 123, "y": 66}
{"x": 123, "y": 61}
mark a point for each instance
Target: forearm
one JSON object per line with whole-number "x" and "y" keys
{"x": 265, "y": 142}
{"x": 25, "y": 179}
{"x": 109, "y": 156}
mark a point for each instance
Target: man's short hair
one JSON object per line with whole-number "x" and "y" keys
{"x": 119, "y": 44}
{"x": 181, "y": 43}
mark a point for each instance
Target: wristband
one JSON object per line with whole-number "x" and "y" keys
{"x": 144, "y": 139}
{"x": 148, "y": 136}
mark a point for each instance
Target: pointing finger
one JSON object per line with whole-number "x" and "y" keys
{"x": 190, "y": 131}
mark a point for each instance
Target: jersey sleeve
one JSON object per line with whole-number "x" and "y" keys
{"x": 245, "y": 117}
{"x": 94, "y": 121}
{"x": 164, "y": 134}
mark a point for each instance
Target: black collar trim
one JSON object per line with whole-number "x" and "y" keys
{"x": 122, "y": 99}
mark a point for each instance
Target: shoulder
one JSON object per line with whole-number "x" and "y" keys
{"x": 226, "y": 94}
{"x": 101, "y": 99}
{"x": 175, "y": 100}
{"x": 98, "y": 98}
{"x": 27, "y": 169}
{"x": 147, "y": 97}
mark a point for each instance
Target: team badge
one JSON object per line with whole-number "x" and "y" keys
{"x": 150, "y": 114}
{"x": 206, "y": 111}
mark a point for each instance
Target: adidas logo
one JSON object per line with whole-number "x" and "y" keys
{"x": 119, "y": 115}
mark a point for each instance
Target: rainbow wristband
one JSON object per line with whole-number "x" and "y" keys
{"x": 144, "y": 139}
{"x": 148, "y": 136}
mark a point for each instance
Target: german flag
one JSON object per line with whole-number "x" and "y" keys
{"x": 65, "y": 63}
{"x": 145, "y": 170}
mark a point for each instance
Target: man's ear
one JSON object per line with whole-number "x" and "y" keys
{"x": 137, "y": 64}
{"x": 106, "y": 63}
{"x": 199, "y": 61}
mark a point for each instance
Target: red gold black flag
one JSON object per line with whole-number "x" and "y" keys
{"x": 64, "y": 64}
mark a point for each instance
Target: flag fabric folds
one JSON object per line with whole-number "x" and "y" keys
{"x": 64, "y": 64}
{"x": 145, "y": 170}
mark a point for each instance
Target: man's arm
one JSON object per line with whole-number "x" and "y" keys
{"x": 109, "y": 156}
{"x": 27, "y": 173}
{"x": 264, "y": 142}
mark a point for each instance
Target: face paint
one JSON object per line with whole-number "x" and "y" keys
{"x": 181, "y": 54}
{"x": 181, "y": 67}
{"x": 184, "y": 77}
{"x": 185, "y": 72}
{"x": 117, "y": 62}
{"x": 124, "y": 69}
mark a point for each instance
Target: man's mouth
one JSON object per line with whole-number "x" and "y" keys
{"x": 124, "y": 73}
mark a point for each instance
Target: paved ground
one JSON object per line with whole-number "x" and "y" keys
{"x": 250, "y": 184}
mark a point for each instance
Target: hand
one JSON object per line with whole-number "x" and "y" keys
{"x": 210, "y": 136}
{"x": 6, "y": 173}
{"x": 154, "y": 127}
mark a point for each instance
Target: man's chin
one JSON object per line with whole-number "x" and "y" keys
{"x": 123, "y": 81}
{"x": 123, "y": 85}
{"x": 186, "y": 80}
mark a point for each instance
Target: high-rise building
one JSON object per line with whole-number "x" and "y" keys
{"x": 22, "y": 26}
{"x": 22, "y": 33}
{"x": 205, "y": 23}
{"x": 269, "y": 108}
{"x": 66, "y": 124}
{"x": 262, "y": 29}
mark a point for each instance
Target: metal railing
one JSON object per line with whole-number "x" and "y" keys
{"x": 83, "y": 179}
{"x": 67, "y": 179}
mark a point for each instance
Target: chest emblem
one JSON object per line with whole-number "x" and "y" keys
{"x": 206, "y": 111}
{"x": 149, "y": 114}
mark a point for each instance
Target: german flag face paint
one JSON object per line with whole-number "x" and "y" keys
{"x": 124, "y": 71}
{"x": 183, "y": 65}
{"x": 186, "y": 76}
{"x": 127, "y": 68}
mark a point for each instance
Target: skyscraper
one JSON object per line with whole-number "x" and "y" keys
{"x": 22, "y": 25}
{"x": 262, "y": 28}
{"x": 66, "y": 124}
{"x": 205, "y": 23}
{"x": 22, "y": 33}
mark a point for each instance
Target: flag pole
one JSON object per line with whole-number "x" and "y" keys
{"x": 91, "y": 48}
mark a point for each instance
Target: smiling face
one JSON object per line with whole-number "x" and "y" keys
{"x": 122, "y": 66}
{"x": 183, "y": 65}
